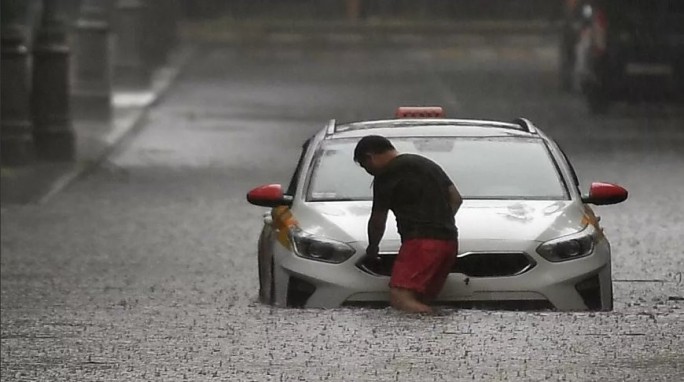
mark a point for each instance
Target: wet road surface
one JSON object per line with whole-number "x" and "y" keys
{"x": 146, "y": 269}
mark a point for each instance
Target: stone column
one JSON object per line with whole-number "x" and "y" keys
{"x": 156, "y": 32}
{"x": 131, "y": 71}
{"x": 92, "y": 79}
{"x": 173, "y": 24}
{"x": 53, "y": 132}
{"x": 16, "y": 139}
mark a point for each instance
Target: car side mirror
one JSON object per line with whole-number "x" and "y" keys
{"x": 270, "y": 195}
{"x": 604, "y": 194}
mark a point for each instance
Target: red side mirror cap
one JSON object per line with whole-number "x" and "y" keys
{"x": 270, "y": 195}
{"x": 605, "y": 193}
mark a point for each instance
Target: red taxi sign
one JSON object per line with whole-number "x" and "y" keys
{"x": 419, "y": 112}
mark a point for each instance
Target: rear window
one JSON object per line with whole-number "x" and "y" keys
{"x": 482, "y": 168}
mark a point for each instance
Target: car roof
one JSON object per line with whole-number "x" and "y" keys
{"x": 437, "y": 127}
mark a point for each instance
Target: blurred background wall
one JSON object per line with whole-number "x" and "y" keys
{"x": 370, "y": 9}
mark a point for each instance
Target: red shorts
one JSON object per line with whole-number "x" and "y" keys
{"x": 423, "y": 265}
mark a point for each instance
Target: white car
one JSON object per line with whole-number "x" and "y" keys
{"x": 527, "y": 236}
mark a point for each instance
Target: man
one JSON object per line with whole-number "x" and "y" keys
{"x": 424, "y": 201}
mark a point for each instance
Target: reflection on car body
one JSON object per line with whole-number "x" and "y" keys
{"x": 528, "y": 238}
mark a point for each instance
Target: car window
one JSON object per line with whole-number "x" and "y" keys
{"x": 482, "y": 168}
{"x": 575, "y": 179}
{"x": 292, "y": 188}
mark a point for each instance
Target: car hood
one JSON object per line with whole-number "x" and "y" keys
{"x": 476, "y": 220}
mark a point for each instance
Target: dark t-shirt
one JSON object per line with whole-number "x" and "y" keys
{"x": 416, "y": 190}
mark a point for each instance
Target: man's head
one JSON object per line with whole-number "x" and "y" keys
{"x": 373, "y": 152}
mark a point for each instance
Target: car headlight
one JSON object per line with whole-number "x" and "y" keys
{"x": 318, "y": 248}
{"x": 569, "y": 247}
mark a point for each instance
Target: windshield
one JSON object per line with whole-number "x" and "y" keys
{"x": 481, "y": 168}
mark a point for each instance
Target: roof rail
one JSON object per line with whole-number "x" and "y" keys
{"x": 519, "y": 124}
{"x": 330, "y": 129}
{"x": 526, "y": 125}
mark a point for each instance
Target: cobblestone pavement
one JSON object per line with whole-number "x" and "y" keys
{"x": 146, "y": 268}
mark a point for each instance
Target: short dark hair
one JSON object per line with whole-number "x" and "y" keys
{"x": 371, "y": 144}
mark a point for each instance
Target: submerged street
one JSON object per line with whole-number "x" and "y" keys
{"x": 146, "y": 268}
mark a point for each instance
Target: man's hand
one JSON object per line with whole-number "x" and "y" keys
{"x": 371, "y": 256}
{"x": 376, "y": 228}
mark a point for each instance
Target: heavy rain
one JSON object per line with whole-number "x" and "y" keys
{"x": 133, "y": 129}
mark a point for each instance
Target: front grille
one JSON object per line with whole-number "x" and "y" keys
{"x": 472, "y": 264}
{"x": 476, "y": 264}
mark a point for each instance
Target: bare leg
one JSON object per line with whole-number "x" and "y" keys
{"x": 407, "y": 301}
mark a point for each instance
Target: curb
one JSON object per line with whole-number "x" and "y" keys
{"x": 163, "y": 79}
{"x": 119, "y": 137}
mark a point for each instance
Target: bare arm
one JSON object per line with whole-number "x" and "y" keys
{"x": 455, "y": 199}
{"x": 376, "y": 229}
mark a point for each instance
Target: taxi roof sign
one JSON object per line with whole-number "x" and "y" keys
{"x": 419, "y": 112}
